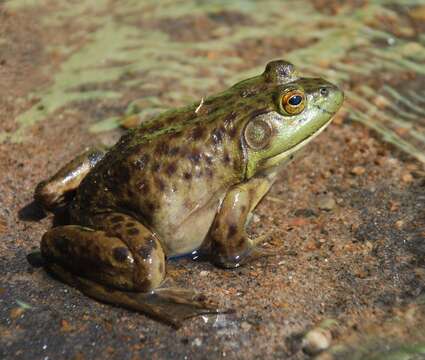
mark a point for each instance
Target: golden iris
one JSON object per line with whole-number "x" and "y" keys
{"x": 293, "y": 102}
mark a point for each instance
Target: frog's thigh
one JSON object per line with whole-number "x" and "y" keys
{"x": 104, "y": 258}
{"x": 230, "y": 246}
{"x": 143, "y": 244}
{"x": 51, "y": 193}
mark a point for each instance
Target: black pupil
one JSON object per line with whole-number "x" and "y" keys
{"x": 295, "y": 100}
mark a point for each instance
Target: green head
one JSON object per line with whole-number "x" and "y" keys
{"x": 301, "y": 108}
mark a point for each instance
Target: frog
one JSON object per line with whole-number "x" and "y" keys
{"x": 184, "y": 182}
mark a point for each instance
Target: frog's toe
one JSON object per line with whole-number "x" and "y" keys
{"x": 186, "y": 297}
{"x": 168, "y": 282}
{"x": 261, "y": 239}
{"x": 259, "y": 252}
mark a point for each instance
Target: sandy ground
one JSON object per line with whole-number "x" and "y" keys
{"x": 348, "y": 217}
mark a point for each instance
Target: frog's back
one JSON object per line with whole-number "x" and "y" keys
{"x": 178, "y": 164}
{"x": 168, "y": 167}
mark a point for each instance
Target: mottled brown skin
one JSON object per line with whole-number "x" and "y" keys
{"x": 186, "y": 180}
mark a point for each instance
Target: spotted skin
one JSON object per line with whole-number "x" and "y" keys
{"x": 143, "y": 245}
{"x": 119, "y": 243}
{"x": 188, "y": 179}
{"x": 92, "y": 254}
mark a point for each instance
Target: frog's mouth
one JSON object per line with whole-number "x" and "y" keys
{"x": 288, "y": 154}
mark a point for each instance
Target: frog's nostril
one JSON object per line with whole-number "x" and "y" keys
{"x": 324, "y": 91}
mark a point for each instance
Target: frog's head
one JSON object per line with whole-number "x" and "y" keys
{"x": 300, "y": 109}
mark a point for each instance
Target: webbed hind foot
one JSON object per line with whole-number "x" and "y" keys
{"x": 169, "y": 305}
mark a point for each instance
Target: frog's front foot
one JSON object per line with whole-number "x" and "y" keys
{"x": 260, "y": 248}
{"x": 230, "y": 246}
{"x": 260, "y": 252}
{"x": 249, "y": 250}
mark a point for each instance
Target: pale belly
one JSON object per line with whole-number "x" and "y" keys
{"x": 188, "y": 234}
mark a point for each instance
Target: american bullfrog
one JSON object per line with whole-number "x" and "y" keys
{"x": 184, "y": 182}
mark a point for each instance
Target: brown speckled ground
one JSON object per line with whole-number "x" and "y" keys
{"x": 361, "y": 261}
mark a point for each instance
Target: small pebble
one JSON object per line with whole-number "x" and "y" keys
{"x": 326, "y": 202}
{"x": 399, "y": 224}
{"x": 245, "y": 326}
{"x": 255, "y": 218}
{"x": 197, "y": 342}
{"x": 65, "y": 326}
{"x": 420, "y": 272}
{"x": 407, "y": 178}
{"x": 358, "y": 170}
{"x": 316, "y": 340}
{"x": 311, "y": 245}
{"x": 130, "y": 122}
{"x": 381, "y": 102}
{"x": 204, "y": 273}
{"x": 16, "y": 312}
{"x": 394, "y": 206}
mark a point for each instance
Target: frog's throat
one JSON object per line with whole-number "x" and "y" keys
{"x": 280, "y": 158}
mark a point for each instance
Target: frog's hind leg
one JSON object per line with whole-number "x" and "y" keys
{"x": 55, "y": 192}
{"x": 171, "y": 306}
{"x": 121, "y": 263}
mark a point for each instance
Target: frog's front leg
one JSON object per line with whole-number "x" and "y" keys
{"x": 229, "y": 244}
{"x": 120, "y": 261}
{"x": 52, "y": 193}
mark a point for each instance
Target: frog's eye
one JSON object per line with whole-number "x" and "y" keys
{"x": 293, "y": 102}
